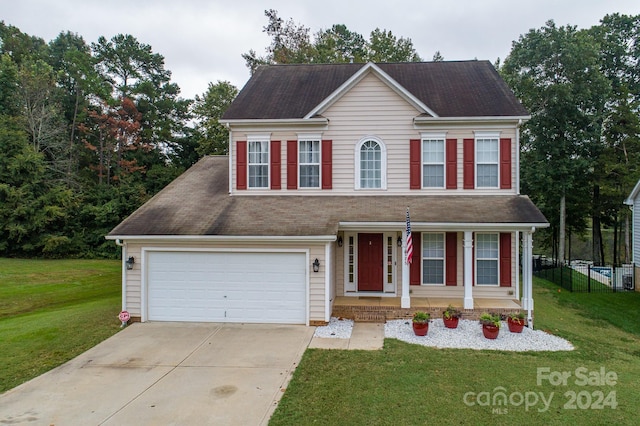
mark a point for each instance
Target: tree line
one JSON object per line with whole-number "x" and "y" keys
{"x": 580, "y": 153}
{"x": 90, "y": 131}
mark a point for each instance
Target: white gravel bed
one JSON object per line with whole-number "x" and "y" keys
{"x": 469, "y": 335}
{"x": 337, "y": 328}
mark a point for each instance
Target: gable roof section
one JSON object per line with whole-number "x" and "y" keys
{"x": 445, "y": 89}
{"x": 630, "y": 201}
{"x": 357, "y": 77}
{"x": 198, "y": 204}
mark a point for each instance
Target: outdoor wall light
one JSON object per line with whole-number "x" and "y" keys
{"x": 340, "y": 241}
{"x": 130, "y": 261}
{"x": 399, "y": 241}
{"x": 316, "y": 265}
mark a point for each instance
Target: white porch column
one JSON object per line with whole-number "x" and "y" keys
{"x": 517, "y": 257}
{"x": 468, "y": 269}
{"x": 527, "y": 275}
{"x": 405, "y": 300}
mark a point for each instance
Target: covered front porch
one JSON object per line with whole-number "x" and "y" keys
{"x": 381, "y": 309}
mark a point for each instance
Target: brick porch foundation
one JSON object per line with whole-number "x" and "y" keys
{"x": 381, "y": 309}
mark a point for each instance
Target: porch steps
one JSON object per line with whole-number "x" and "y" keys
{"x": 368, "y": 316}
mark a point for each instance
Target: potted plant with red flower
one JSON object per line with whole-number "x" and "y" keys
{"x": 451, "y": 316}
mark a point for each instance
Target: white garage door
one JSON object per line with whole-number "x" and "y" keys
{"x": 227, "y": 287}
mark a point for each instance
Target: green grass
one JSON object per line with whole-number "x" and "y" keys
{"x": 406, "y": 384}
{"x": 53, "y": 310}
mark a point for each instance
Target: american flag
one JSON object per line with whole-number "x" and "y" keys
{"x": 409, "y": 240}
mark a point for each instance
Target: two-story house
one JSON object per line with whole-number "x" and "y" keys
{"x": 306, "y": 216}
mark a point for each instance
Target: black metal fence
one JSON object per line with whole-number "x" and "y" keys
{"x": 584, "y": 278}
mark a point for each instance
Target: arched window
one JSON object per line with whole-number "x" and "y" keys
{"x": 371, "y": 164}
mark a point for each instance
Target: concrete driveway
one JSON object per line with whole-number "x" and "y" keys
{"x": 166, "y": 374}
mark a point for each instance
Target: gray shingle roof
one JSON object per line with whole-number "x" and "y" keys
{"x": 198, "y": 203}
{"x": 450, "y": 89}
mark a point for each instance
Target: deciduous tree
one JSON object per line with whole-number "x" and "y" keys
{"x": 213, "y": 137}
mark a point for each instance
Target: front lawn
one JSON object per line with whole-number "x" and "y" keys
{"x": 406, "y": 384}
{"x": 52, "y": 311}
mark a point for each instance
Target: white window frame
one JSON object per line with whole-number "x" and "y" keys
{"x": 383, "y": 163}
{"x": 252, "y": 139}
{"x": 483, "y": 136}
{"x": 424, "y": 257}
{"x": 304, "y": 137}
{"x": 433, "y": 137}
{"x": 496, "y": 259}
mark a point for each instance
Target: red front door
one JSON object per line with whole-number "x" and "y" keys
{"x": 370, "y": 257}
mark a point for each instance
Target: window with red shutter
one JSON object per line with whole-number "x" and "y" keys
{"x": 241, "y": 165}
{"x": 415, "y": 269}
{"x": 452, "y": 258}
{"x": 452, "y": 164}
{"x": 292, "y": 164}
{"x": 327, "y": 164}
{"x": 415, "y": 175}
{"x": 276, "y": 168}
{"x": 505, "y": 259}
{"x": 468, "y": 160}
{"x": 505, "y": 163}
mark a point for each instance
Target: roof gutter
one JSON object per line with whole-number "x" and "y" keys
{"x": 487, "y": 119}
{"x": 442, "y": 226}
{"x": 282, "y": 122}
{"x": 224, "y": 238}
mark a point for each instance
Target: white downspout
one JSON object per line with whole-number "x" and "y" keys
{"x": 230, "y": 157}
{"x": 328, "y": 283}
{"x": 527, "y": 273}
{"x": 518, "y": 157}
{"x": 124, "y": 273}
{"x": 517, "y": 258}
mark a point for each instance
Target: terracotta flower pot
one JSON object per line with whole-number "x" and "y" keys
{"x": 420, "y": 329}
{"x": 451, "y": 322}
{"x": 515, "y": 325}
{"x": 490, "y": 331}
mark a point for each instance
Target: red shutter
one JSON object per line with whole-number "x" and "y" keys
{"x": 276, "y": 165}
{"x": 292, "y": 164}
{"x": 327, "y": 164}
{"x": 452, "y": 258}
{"x": 468, "y": 159}
{"x": 241, "y": 165}
{"x": 416, "y": 262}
{"x": 415, "y": 158}
{"x": 505, "y": 163}
{"x": 452, "y": 163}
{"x": 505, "y": 259}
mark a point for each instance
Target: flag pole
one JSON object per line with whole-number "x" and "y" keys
{"x": 405, "y": 300}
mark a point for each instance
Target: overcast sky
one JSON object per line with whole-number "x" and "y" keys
{"x": 202, "y": 40}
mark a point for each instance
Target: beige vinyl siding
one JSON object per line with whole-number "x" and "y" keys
{"x": 317, "y": 284}
{"x": 316, "y": 293}
{"x": 371, "y": 108}
{"x": 133, "y": 296}
{"x": 458, "y": 290}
